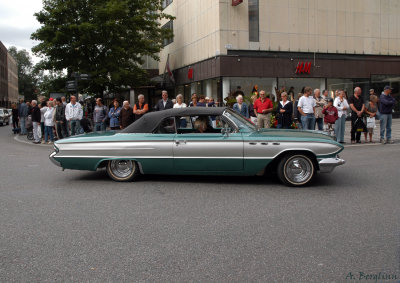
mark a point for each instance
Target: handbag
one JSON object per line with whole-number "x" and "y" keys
{"x": 371, "y": 123}
{"x": 359, "y": 125}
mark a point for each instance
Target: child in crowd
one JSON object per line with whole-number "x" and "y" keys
{"x": 372, "y": 111}
{"x": 331, "y": 115}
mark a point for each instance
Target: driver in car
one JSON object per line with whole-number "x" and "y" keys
{"x": 200, "y": 125}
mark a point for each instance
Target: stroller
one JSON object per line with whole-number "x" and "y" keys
{"x": 29, "y": 127}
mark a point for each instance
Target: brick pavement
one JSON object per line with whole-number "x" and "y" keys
{"x": 376, "y": 135}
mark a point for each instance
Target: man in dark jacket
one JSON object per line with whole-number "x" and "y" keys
{"x": 126, "y": 117}
{"x": 387, "y": 103}
{"x": 60, "y": 119}
{"x": 36, "y": 117}
{"x": 164, "y": 103}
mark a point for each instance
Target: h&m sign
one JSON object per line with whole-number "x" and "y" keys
{"x": 303, "y": 67}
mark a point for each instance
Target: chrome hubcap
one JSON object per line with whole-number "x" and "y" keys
{"x": 298, "y": 169}
{"x": 122, "y": 168}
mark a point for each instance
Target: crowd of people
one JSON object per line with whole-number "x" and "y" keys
{"x": 315, "y": 110}
{"x": 53, "y": 119}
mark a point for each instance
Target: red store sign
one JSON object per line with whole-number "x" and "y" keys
{"x": 190, "y": 74}
{"x": 303, "y": 67}
{"x": 236, "y": 2}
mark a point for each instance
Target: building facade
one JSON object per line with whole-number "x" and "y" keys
{"x": 8, "y": 78}
{"x": 327, "y": 44}
{"x": 3, "y": 76}
{"x": 12, "y": 72}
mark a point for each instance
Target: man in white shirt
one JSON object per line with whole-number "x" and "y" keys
{"x": 306, "y": 108}
{"x": 73, "y": 114}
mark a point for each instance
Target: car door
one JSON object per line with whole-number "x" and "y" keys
{"x": 208, "y": 152}
{"x": 155, "y": 151}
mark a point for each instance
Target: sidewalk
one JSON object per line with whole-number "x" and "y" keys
{"x": 376, "y": 135}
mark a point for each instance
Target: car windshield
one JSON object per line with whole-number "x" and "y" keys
{"x": 241, "y": 122}
{"x": 1, "y": 111}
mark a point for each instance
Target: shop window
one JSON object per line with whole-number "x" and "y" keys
{"x": 348, "y": 86}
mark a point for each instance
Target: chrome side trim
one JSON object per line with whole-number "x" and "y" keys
{"x": 156, "y": 157}
{"x": 55, "y": 162}
{"x": 326, "y": 165}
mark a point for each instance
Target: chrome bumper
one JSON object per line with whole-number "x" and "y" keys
{"x": 55, "y": 162}
{"x": 327, "y": 165}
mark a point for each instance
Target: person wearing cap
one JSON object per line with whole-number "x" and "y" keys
{"x": 386, "y": 106}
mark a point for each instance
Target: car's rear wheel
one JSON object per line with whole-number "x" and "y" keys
{"x": 122, "y": 170}
{"x": 296, "y": 170}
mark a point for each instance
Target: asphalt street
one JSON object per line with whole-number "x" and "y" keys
{"x": 77, "y": 226}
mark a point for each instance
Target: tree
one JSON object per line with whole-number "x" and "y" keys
{"x": 50, "y": 81}
{"x": 105, "y": 38}
{"x": 26, "y": 76}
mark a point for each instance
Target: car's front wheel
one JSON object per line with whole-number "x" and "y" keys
{"x": 296, "y": 170}
{"x": 122, "y": 170}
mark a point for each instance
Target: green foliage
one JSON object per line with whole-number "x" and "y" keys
{"x": 50, "y": 81}
{"x": 26, "y": 73}
{"x": 105, "y": 38}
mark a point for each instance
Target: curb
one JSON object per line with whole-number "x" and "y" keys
{"x": 17, "y": 138}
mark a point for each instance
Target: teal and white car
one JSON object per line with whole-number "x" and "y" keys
{"x": 169, "y": 142}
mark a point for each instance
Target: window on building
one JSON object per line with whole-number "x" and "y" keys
{"x": 170, "y": 26}
{"x": 254, "y": 23}
{"x": 166, "y": 3}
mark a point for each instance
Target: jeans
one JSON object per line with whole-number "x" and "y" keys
{"x": 48, "y": 133}
{"x": 23, "y": 129}
{"x": 37, "y": 133}
{"x": 60, "y": 128}
{"x": 386, "y": 124}
{"x": 15, "y": 123}
{"x": 339, "y": 128}
{"x": 74, "y": 125}
{"x": 42, "y": 128}
{"x": 99, "y": 127}
{"x": 182, "y": 123}
{"x": 308, "y": 122}
{"x": 320, "y": 123}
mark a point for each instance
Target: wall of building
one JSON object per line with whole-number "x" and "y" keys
{"x": 12, "y": 79}
{"x": 196, "y": 32}
{"x": 206, "y": 28}
{"x": 3, "y": 76}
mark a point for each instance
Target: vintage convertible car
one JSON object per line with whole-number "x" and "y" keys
{"x": 200, "y": 141}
